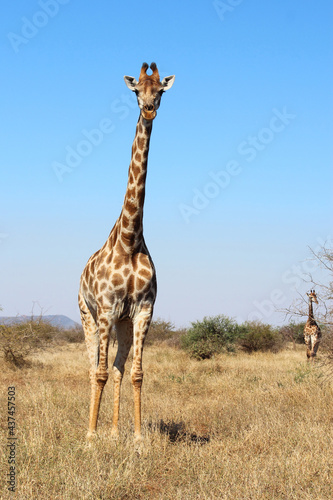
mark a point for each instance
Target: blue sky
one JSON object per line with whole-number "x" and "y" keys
{"x": 240, "y": 179}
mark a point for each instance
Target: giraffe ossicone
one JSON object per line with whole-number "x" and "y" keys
{"x": 118, "y": 285}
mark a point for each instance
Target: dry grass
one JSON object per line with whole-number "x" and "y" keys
{"x": 234, "y": 427}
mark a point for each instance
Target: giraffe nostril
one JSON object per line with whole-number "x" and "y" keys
{"x": 149, "y": 107}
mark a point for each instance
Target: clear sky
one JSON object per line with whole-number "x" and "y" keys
{"x": 239, "y": 181}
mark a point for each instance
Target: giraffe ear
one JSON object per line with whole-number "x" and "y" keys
{"x": 131, "y": 82}
{"x": 167, "y": 82}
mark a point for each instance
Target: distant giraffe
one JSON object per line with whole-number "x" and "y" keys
{"x": 312, "y": 333}
{"x": 118, "y": 284}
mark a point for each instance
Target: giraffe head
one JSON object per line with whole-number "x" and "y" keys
{"x": 312, "y": 296}
{"x": 149, "y": 89}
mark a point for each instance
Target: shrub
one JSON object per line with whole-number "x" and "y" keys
{"x": 260, "y": 337}
{"x": 210, "y": 336}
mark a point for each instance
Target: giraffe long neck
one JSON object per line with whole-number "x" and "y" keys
{"x": 310, "y": 318}
{"x": 131, "y": 217}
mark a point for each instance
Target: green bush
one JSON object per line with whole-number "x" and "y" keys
{"x": 260, "y": 337}
{"x": 210, "y": 336}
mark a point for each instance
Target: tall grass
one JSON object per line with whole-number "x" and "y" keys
{"x": 233, "y": 427}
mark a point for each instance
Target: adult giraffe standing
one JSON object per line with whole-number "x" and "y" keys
{"x": 312, "y": 332}
{"x": 118, "y": 284}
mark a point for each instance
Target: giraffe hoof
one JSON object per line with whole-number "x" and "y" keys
{"x": 115, "y": 434}
{"x": 138, "y": 444}
{"x": 91, "y": 436}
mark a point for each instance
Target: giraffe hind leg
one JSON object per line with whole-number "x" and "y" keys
{"x": 99, "y": 372}
{"x": 141, "y": 326}
{"x": 96, "y": 331}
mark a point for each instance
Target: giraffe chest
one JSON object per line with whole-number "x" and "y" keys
{"x": 312, "y": 329}
{"x": 120, "y": 283}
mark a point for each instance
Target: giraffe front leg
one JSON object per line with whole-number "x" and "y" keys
{"x": 124, "y": 332}
{"x": 95, "y": 401}
{"x": 307, "y": 340}
{"x": 315, "y": 341}
{"x": 141, "y": 326}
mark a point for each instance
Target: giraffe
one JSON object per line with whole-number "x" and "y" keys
{"x": 118, "y": 284}
{"x": 312, "y": 333}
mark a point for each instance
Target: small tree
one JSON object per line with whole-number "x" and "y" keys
{"x": 293, "y": 333}
{"x": 321, "y": 259}
{"x": 210, "y": 336}
{"x": 161, "y": 331}
{"x": 19, "y": 339}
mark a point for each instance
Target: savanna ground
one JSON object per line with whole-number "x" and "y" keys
{"x": 233, "y": 427}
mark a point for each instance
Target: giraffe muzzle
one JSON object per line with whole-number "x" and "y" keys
{"x": 149, "y": 112}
